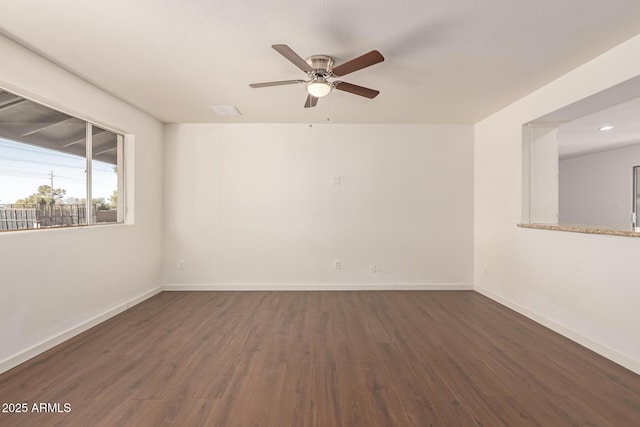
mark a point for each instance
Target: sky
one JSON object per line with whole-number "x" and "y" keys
{"x": 23, "y": 168}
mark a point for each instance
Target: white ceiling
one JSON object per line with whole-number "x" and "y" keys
{"x": 447, "y": 61}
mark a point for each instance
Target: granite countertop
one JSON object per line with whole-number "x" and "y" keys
{"x": 582, "y": 229}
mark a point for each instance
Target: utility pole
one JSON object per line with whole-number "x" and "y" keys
{"x": 51, "y": 176}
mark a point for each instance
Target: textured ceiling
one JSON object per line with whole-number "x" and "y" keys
{"x": 447, "y": 61}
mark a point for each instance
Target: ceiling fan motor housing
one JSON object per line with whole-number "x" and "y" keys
{"x": 321, "y": 64}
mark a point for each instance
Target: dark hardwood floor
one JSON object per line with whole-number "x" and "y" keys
{"x": 390, "y": 358}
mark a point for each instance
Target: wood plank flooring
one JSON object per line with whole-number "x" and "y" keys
{"x": 303, "y": 359}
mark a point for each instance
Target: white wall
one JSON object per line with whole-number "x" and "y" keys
{"x": 54, "y": 283}
{"x": 254, "y": 204}
{"x": 543, "y": 176}
{"x": 597, "y": 189}
{"x": 585, "y": 286}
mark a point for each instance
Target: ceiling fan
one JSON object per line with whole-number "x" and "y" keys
{"x": 320, "y": 70}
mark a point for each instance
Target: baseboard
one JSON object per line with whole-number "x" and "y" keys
{"x": 37, "y": 349}
{"x": 318, "y": 287}
{"x": 602, "y": 349}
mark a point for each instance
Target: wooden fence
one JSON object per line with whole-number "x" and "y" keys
{"x": 19, "y": 217}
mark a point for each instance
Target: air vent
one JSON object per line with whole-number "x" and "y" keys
{"x": 225, "y": 110}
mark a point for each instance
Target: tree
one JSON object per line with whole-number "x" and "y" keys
{"x": 101, "y": 204}
{"x": 114, "y": 198}
{"x": 44, "y": 196}
{"x": 73, "y": 201}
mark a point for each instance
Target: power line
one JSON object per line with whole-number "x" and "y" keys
{"x": 35, "y": 150}
{"x": 28, "y": 161}
{"x": 21, "y": 174}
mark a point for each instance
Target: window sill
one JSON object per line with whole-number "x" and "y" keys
{"x": 582, "y": 229}
{"x": 68, "y": 227}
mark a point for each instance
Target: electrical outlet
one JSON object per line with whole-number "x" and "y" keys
{"x": 372, "y": 268}
{"x": 181, "y": 265}
{"x": 337, "y": 264}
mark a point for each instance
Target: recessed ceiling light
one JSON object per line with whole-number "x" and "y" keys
{"x": 606, "y": 128}
{"x": 225, "y": 110}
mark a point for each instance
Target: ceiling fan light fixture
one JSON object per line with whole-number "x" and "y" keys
{"x": 319, "y": 87}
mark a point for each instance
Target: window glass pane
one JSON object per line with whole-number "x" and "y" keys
{"x": 43, "y": 168}
{"x": 104, "y": 179}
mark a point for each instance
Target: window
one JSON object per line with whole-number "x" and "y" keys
{"x": 46, "y": 180}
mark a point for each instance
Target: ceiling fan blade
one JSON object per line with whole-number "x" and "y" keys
{"x": 357, "y": 90}
{"x": 280, "y": 83}
{"x": 358, "y": 63}
{"x": 295, "y": 59}
{"x": 311, "y": 101}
